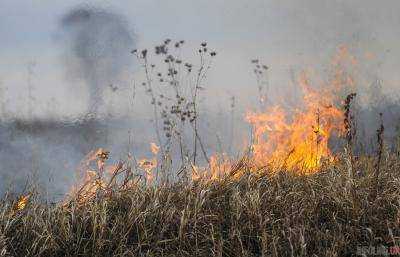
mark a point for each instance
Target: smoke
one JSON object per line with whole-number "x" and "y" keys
{"x": 46, "y": 153}
{"x": 97, "y": 46}
{"x": 98, "y": 43}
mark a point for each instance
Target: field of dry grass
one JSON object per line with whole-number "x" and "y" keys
{"x": 290, "y": 195}
{"x": 329, "y": 213}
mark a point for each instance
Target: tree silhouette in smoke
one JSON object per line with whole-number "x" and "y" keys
{"x": 98, "y": 45}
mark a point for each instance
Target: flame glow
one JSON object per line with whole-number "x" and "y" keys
{"x": 21, "y": 203}
{"x": 148, "y": 166}
{"x": 91, "y": 179}
{"x": 298, "y": 141}
{"x": 154, "y": 148}
{"x": 289, "y": 139}
{"x": 219, "y": 166}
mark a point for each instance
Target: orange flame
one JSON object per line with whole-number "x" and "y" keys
{"x": 21, "y": 204}
{"x": 154, "y": 148}
{"x": 299, "y": 141}
{"x": 293, "y": 140}
{"x": 219, "y": 166}
{"x": 148, "y": 166}
{"x": 91, "y": 181}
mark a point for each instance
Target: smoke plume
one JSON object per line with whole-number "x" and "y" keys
{"x": 98, "y": 45}
{"x": 47, "y": 151}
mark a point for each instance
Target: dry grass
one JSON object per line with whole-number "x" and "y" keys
{"x": 281, "y": 215}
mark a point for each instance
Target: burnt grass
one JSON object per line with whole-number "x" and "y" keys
{"x": 329, "y": 213}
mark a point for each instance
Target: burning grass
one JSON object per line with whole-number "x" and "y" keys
{"x": 300, "y": 140}
{"x": 286, "y": 214}
{"x": 288, "y": 196}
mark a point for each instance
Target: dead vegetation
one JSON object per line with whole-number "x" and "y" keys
{"x": 254, "y": 215}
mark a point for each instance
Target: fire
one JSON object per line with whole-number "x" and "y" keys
{"x": 298, "y": 141}
{"x": 91, "y": 177}
{"x": 148, "y": 166}
{"x": 219, "y": 166}
{"x": 284, "y": 139}
{"x": 154, "y": 148}
{"x": 21, "y": 203}
{"x": 96, "y": 179}
{"x": 293, "y": 140}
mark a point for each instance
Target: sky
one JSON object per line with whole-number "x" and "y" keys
{"x": 285, "y": 35}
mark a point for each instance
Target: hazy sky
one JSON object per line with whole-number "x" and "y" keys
{"x": 284, "y": 34}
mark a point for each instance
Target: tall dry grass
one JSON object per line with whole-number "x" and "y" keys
{"x": 255, "y": 215}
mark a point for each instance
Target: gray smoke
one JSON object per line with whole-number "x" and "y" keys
{"x": 47, "y": 151}
{"x": 98, "y": 46}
